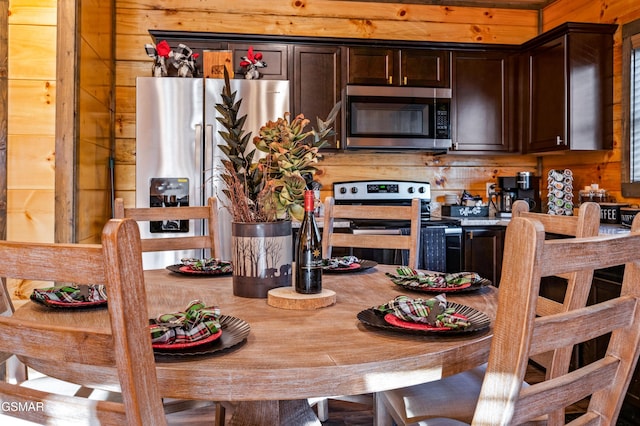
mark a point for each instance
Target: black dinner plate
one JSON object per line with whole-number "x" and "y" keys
{"x": 364, "y": 264}
{"x": 234, "y": 332}
{"x": 182, "y": 269}
{"x": 438, "y": 290}
{"x": 70, "y": 305}
{"x": 479, "y": 321}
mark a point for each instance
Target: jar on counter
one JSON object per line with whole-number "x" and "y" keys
{"x": 586, "y": 194}
{"x": 595, "y": 194}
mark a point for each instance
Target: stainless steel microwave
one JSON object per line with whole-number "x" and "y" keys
{"x": 385, "y": 117}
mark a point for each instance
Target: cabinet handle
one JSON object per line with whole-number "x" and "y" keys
{"x": 390, "y": 79}
{"x": 404, "y": 81}
{"x": 455, "y": 146}
{"x": 559, "y": 141}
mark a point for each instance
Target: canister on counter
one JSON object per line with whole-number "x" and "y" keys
{"x": 627, "y": 214}
{"x": 610, "y": 212}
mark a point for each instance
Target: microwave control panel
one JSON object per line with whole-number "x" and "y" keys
{"x": 442, "y": 120}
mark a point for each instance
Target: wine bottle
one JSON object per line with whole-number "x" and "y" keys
{"x": 308, "y": 251}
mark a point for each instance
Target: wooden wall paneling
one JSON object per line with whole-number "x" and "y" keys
{"x": 65, "y": 220}
{"x": 132, "y": 22}
{"x": 125, "y": 150}
{"x": 36, "y": 167}
{"x": 30, "y": 214}
{"x": 125, "y": 124}
{"x": 616, "y": 11}
{"x": 348, "y": 10}
{"x": 30, "y": 12}
{"x": 127, "y": 71}
{"x": 31, "y": 118}
{"x": 31, "y": 51}
{"x": 95, "y": 124}
{"x": 4, "y": 115}
{"x": 33, "y": 106}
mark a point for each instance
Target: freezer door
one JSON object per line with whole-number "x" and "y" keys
{"x": 169, "y": 140}
{"x": 262, "y": 100}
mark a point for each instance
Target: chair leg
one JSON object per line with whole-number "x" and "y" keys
{"x": 381, "y": 416}
{"x": 220, "y": 413}
{"x": 16, "y": 371}
{"x": 323, "y": 409}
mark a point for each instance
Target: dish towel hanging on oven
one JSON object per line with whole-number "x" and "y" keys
{"x": 433, "y": 249}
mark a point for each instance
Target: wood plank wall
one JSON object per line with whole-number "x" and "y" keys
{"x": 31, "y": 120}
{"x": 331, "y": 19}
{"x": 94, "y": 134}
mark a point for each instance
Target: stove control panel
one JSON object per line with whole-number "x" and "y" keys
{"x": 383, "y": 190}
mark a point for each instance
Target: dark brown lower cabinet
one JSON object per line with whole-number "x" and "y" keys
{"x": 483, "y": 248}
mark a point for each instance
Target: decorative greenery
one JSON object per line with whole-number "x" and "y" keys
{"x": 272, "y": 187}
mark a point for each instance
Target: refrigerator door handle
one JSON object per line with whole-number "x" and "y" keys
{"x": 208, "y": 161}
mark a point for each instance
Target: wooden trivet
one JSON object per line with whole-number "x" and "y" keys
{"x": 287, "y": 298}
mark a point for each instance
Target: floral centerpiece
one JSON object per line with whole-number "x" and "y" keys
{"x": 272, "y": 187}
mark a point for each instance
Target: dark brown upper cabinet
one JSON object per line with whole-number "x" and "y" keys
{"x": 483, "y": 89}
{"x": 274, "y": 55}
{"x": 317, "y": 84}
{"x": 398, "y": 67}
{"x": 567, "y": 77}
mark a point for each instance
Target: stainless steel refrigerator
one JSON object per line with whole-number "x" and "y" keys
{"x": 178, "y": 161}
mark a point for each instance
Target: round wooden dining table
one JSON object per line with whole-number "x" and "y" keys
{"x": 289, "y": 355}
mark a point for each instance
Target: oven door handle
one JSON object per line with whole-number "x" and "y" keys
{"x": 376, "y": 231}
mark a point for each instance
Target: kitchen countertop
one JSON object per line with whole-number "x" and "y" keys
{"x": 605, "y": 228}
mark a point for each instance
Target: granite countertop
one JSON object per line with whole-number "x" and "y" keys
{"x": 479, "y": 221}
{"x": 605, "y": 228}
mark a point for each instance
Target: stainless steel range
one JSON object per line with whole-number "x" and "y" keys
{"x": 440, "y": 239}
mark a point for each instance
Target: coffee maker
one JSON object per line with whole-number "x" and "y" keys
{"x": 523, "y": 186}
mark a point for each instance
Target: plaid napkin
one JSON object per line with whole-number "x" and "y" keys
{"x": 434, "y": 311}
{"x": 411, "y": 278}
{"x": 206, "y": 264}
{"x": 197, "y": 322}
{"x": 71, "y": 293}
{"x": 340, "y": 262}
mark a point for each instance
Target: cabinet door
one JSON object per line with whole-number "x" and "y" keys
{"x": 316, "y": 84}
{"x": 482, "y": 101}
{"x": 274, "y": 55}
{"x": 372, "y": 66}
{"x": 547, "y": 91}
{"x": 424, "y": 68}
{"x": 483, "y": 251}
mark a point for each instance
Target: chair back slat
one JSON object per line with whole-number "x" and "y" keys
{"x": 208, "y": 214}
{"x": 410, "y": 242}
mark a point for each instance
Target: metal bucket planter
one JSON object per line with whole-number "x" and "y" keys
{"x": 261, "y": 256}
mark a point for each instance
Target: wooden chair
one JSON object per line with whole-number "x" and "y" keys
{"x": 390, "y": 241}
{"x": 151, "y": 214}
{"x": 519, "y": 332}
{"x": 427, "y": 400}
{"x": 118, "y": 264}
{"x": 209, "y": 213}
{"x": 330, "y": 239}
